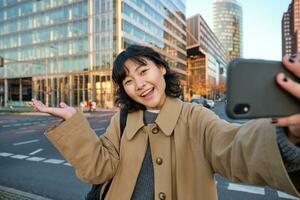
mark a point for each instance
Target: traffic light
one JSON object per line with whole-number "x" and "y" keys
{"x": 1, "y": 61}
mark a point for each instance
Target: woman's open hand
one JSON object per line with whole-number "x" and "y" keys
{"x": 63, "y": 111}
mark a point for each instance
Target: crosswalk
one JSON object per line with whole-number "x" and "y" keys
{"x": 34, "y": 158}
{"x": 230, "y": 186}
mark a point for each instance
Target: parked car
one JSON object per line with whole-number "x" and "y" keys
{"x": 211, "y": 103}
{"x": 201, "y": 101}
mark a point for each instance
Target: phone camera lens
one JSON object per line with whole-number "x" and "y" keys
{"x": 241, "y": 109}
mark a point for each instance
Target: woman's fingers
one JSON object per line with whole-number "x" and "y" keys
{"x": 292, "y": 63}
{"x": 38, "y": 105}
{"x": 288, "y": 84}
{"x": 287, "y": 121}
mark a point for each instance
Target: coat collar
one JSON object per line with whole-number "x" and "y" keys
{"x": 166, "y": 119}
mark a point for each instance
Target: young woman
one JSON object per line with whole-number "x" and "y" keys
{"x": 171, "y": 149}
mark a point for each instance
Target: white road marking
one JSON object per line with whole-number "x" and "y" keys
{"x": 68, "y": 164}
{"x": 54, "y": 161}
{"x": 4, "y": 154}
{"x": 36, "y": 159}
{"x": 26, "y": 142}
{"x": 246, "y": 188}
{"x": 99, "y": 129}
{"x": 5, "y": 126}
{"x": 17, "y": 124}
{"x": 286, "y": 196}
{"x": 35, "y": 152}
{"x": 19, "y": 156}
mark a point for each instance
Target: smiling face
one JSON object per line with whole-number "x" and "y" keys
{"x": 145, "y": 83}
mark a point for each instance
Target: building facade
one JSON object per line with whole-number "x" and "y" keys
{"x": 206, "y": 59}
{"x": 228, "y": 26}
{"x": 63, "y": 50}
{"x": 290, "y": 29}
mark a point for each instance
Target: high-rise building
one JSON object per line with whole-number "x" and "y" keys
{"x": 290, "y": 29}
{"x": 62, "y": 50}
{"x": 206, "y": 59}
{"x": 228, "y": 26}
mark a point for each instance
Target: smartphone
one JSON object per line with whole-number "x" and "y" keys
{"x": 252, "y": 91}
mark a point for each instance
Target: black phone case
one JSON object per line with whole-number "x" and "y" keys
{"x": 252, "y": 91}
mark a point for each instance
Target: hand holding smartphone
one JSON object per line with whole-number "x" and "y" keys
{"x": 252, "y": 91}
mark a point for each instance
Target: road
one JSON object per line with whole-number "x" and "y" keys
{"x": 29, "y": 162}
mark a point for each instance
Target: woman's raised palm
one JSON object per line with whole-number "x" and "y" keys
{"x": 63, "y": 111}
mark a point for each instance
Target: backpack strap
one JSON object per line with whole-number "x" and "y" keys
{"x": 123, "y": 119}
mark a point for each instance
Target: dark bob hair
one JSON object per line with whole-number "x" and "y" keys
{"x": 138, "y": 54}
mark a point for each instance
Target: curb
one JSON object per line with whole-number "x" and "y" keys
{"x": 11, "y": 193}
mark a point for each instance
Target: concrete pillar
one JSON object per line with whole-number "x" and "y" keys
{"x": 20, "y": 91}
{"x": 34, "y": 88}
{"x": 83, "y": 88}
{"x": 47, "y": 83}
{"x": 71, "y": 93}
{"x": 91, "y": 87}
{"x": 57, "y": 91}
{"x": 51, "y": 91}
{"x": 78, "y": 88}
{"x": 5, "y": 92}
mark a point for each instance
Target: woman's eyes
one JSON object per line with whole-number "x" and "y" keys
{"x": 128, "y": 82}
{"x": 144, "y": 71}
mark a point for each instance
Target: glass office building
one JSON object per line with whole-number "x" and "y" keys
{"x": 62, "y": 50}
{"x": 206, "y": 59}
{"x": 228, "y": 26}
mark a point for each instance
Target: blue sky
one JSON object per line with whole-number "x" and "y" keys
{"x": 261, "y": 24}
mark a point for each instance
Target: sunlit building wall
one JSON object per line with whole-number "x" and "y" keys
{"x": 290, "y": 29}
{"x": 62, "y": 50}
{"x": 206, "y": 59}
{"x": 228, "y": 26}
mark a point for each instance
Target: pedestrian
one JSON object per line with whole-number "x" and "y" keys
{"x": 93, "y": 106}
{"x": 81, "y": 105}
{"x": 90, "y": 105}
{"x": 171, "y": 149}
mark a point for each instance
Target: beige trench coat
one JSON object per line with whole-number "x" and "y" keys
{"x": 188, "y": 145}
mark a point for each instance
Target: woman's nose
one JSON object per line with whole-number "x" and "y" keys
{"x": 140, "y": 84}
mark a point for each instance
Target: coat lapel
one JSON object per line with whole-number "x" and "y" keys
{"x": 166, "y": 120}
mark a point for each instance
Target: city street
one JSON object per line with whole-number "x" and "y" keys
{"x": 29, "y": 162}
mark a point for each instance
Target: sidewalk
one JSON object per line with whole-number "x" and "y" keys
{"x": 7, "y": 193}
{"x": 30, "y": 111}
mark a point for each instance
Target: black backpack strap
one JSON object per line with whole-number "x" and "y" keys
{"x": 123, "y": 119}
